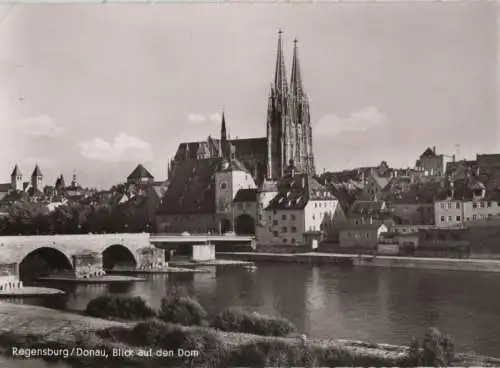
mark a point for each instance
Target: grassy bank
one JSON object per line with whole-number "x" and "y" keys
{"x": 29, "y": 326}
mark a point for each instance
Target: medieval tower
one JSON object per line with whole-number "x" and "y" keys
{"x": 289, "y": 131}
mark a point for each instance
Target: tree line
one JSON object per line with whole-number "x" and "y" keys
{"x": 25, "y": 218}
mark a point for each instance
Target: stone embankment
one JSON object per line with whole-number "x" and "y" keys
{"x": 449, "y": 264}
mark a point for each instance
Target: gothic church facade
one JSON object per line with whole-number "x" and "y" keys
{"x": 196, "y": 171}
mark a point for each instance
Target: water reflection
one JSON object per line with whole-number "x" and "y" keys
{"x": 326, "y": 302}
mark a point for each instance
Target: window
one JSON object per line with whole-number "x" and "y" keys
{"x": 488, "y": 204}
{"x": 223, "y": 185}
{"x": 315, "y": 205}
{"x": 269, "y": 217}
{"x": 283, "y": 217}
{"x": 474, "y": 205}
{"x": 442, "y": 218}
{"x": 458, "y": 205}
{"x": 294, "y": 229}
{"x": 275, "y": 234}
{"x": 450, "y": 218}
{"x": 458, "y": 218}
{"x": 293, "y": 217}
{"x": 284, "y": 240}
{"x": 449, "y": 204}
{"x": 482, "y": 204}
{"x": 442, "y": 205}
{"x": 490, "y": 215}
{"x": 314, "y": 217}
{"x": 275, "y": 222}
{"x": 284, "y": 229}
{"x": 474, "y": 217}
{"x": 293, "y": 241}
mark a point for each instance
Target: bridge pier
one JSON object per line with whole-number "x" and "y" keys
{"x": 87, "y": 265}
{"x": 151, "y": 258}
{"x": 9, "y": 277}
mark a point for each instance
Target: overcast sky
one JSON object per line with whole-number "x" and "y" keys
{"x": 100, "y": 88}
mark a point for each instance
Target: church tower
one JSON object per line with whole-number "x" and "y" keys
{"x": 16, "y": 179}
{"x": 301, "y": 120}
{"x": 289, "y": 132}
{"x": 224, "y": 143}
{"x": 277, "y": 118}
{"x": 37, "y": 180}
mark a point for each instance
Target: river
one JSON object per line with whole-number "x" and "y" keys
{"x": 370, "y": 304}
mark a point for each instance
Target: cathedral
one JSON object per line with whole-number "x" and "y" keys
{"x": 215, "y": 184}
{"x": 289, "y": 131}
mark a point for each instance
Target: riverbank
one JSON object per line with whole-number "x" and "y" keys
{"x": 28, "y": 291}
{"x": 166, "y": 270}
{"x": 91, "y": 280}
{"x": 37, "y": 327}
{"x": 449, "y": 264}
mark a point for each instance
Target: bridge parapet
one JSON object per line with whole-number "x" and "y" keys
{"x": 13, "y": 249}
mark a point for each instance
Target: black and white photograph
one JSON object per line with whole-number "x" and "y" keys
{"x": 249, "y": 184}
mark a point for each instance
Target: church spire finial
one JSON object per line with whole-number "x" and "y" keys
{"x": 296, "y": 79}
{"x": 280, "y": 83}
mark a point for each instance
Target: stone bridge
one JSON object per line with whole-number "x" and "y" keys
{"x": 63, "y": 250}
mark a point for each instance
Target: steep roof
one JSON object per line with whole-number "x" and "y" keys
{"x": 37, "y": 172}
{"x": 140, "y": 172}
{"x": 294, "y": 192}
{"x": 246, "y": 195}
{"x": 367, "y": 207}
{"x": 429, "y": 152}
{"x": 16, "y": 171}
{"x": 192, "y": 189}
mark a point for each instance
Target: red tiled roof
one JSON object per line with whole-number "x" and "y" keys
{"x": 192, "y": 189}
{"x": 366, "y": 207}
{"x": 294, "y": 192}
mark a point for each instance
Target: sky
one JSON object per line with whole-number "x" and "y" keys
{"x": 97, "y": 89}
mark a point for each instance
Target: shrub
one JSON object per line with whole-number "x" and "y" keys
{"x": 121, "y": 307}
{"x": 148, "y": 332}
{"x": 183, "y": 310}
{"x": 434, "y": 349}
{"x": 239, "y": 320}
{"x": 285, "y": 354}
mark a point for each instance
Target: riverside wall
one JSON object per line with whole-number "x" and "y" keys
{"x": 448, "y": 264}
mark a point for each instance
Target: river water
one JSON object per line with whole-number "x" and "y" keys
{"x": 370, "y": 304}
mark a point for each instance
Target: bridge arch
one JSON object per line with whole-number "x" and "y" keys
{"x": 118, "y": 255}
{"x": 244, "y": 225}
{"x": 43, "y": 261}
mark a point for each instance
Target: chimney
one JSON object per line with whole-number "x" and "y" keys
{"x": 453, "y": 157}
{"x": 434, "y": 149}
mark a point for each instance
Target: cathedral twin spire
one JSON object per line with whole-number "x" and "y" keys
{"x": 289, "y": 132}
